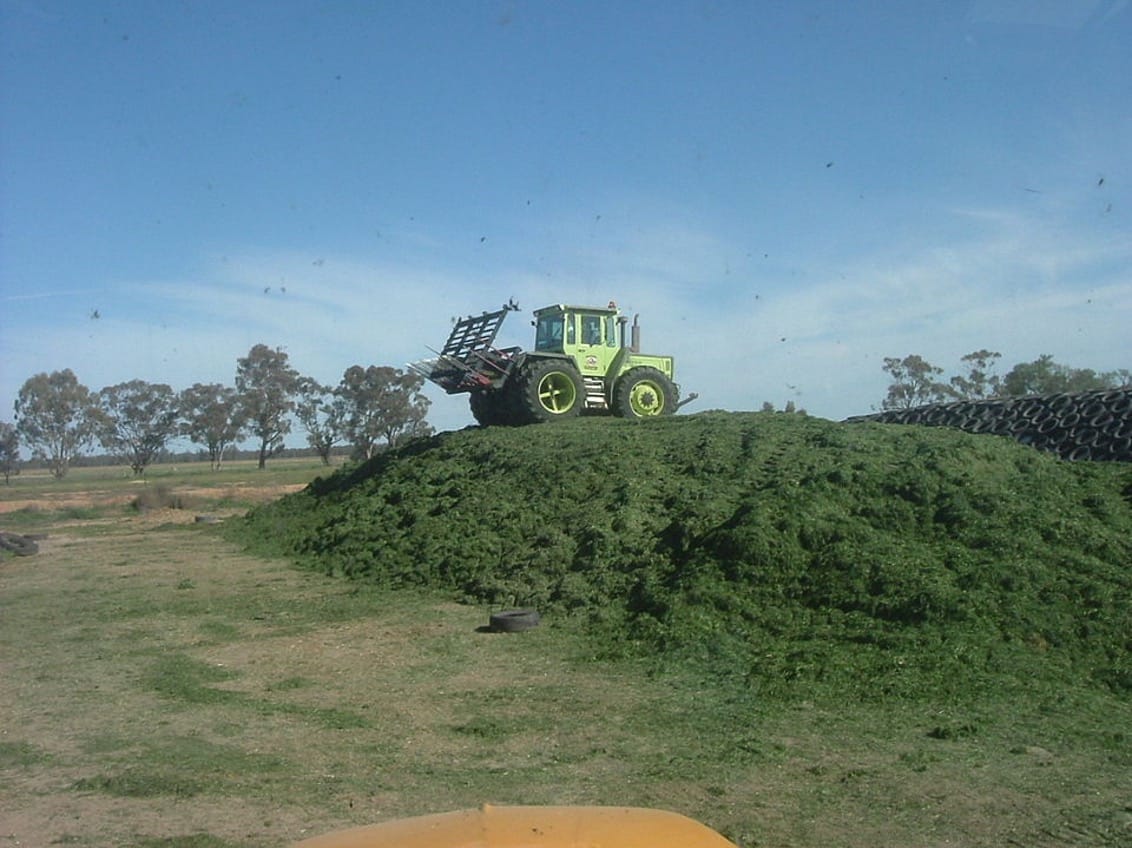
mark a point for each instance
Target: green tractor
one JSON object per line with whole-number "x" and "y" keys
{"x": 586, "y": 360}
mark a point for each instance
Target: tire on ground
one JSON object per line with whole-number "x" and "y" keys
{"x": 514, "y": 621}
{"x": 644, "y": 393}
{"x": 17, "y": 544}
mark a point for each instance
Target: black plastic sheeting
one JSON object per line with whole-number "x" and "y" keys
{"x": 1094, "y": 426}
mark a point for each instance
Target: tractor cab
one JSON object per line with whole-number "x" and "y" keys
{"x": 591, "y": 336}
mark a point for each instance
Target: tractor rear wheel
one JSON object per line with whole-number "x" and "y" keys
{"x": 644, "y": 393}
{"x": 490, "y": 409}
{"x": 551, "y": 390}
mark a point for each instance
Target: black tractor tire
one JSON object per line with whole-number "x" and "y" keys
{"x": 489, "y": 408}
{"x": 644, "y": 393}
{"x": 481, "y": 408}
{"x": 550, "y": 390}
{"x": 514, "y": 621}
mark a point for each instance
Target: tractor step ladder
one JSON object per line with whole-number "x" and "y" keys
{"x": 595, "y": 393}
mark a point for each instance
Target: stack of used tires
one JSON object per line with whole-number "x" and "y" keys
{"x": 1079, "y": 426}
{"x": 18, "y": 544}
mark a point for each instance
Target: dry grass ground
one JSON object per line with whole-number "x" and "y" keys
{"x": 159, "y": 687}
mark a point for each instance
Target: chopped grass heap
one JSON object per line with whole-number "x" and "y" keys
{"x": 791, "y": 554}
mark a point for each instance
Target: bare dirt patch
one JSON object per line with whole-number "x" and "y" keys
{"x": 98, "y": 499}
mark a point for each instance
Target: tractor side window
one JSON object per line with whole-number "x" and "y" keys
{"x": 548, "y": 333}
{"x": 610, "y": 335}
{"x": 571, "y": 333}
{"x": 591, "y": 329}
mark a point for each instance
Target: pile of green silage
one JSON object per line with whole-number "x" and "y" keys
{"x": 871, "y": 560}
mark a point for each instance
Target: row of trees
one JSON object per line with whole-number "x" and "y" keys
{"x": 916, "y": 382}
{"x": 58, "y": 418}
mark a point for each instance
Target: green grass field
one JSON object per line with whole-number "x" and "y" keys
{"x": 162, "y": 686}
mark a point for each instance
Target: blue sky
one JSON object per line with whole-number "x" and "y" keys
{"x": 787, "y": 192}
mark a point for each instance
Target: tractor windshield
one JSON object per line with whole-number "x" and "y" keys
{"x": 548, "y": 333}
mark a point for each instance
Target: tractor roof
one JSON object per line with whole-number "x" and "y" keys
{"x": 611, "y": 309}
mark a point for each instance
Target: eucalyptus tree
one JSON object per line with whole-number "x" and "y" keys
{"x": 58, "y": 418}
{"x": 266, "y": 385}
{"x": 210, "y": 416}
{"x": 320, "y": 411}
{"x": 381, "y": 404}
{"x": 9, "y": 451}
{"x": 138, "y": 420}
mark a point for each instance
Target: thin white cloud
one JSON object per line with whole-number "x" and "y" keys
{"x": 46, "y": 295}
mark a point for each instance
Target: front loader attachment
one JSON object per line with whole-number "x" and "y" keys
{"x": 469, "y": 361}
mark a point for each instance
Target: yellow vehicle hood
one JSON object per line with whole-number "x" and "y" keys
{"x": 531, "y": 827}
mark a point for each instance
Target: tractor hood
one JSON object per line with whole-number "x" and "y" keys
{"x": 531, "y": 827}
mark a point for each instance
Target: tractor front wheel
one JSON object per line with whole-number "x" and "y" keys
{"x": 644, "y": 393}
{"x": 551, "y": 390}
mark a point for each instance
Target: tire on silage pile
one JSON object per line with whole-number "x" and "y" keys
{"x": 1094, "y": 426}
